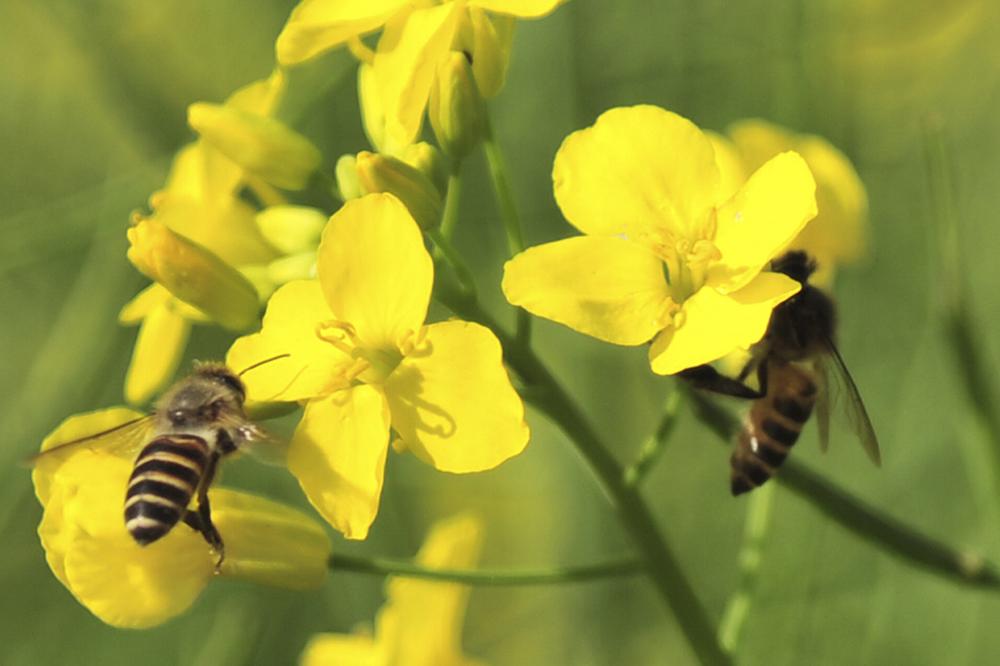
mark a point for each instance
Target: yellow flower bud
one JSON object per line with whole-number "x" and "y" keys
{"x": 265, "y": 147}
{"x": 193, "y": 274}
{"x": 381, "y": 173}
{"x": 346, "y": 173}
{"x": 301, "y": 266}
{"x": 429, "y": 161}
{"x": 291, "y": 229}
{"x": 456, "y": 109}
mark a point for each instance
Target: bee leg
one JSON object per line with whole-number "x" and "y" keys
{"x": 762, "y": 378}
{"x": 208, "y": 530}
{"x": 707, "y": 378}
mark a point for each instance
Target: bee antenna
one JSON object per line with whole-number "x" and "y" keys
{"x": 260, "y": 363}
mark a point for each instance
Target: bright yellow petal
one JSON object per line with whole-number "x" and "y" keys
{"x": 406, "y": 61}
{"x": 346, "y": 649}
{"x": 768, "y": 211}
{"x": 130, "y": 586}
{"x": 519, "y": 8}
{"x": 338, "y": 455}
{"x": 609, "y": 288}
{"x": 711, "y": 325}
{"x": 316, "y": 26}
{"x": 270, "y": 543}
{"x": 638, "y": 169}
{"x": 452, "y": 402}
{"x": 293, "y": 313}
{"x": 158, "y": 351}
{"x": 375, "y": 270}
{"x": 732, "y": 173}
{"x": 491, "y": 39}
{"x": 422, "y": 620}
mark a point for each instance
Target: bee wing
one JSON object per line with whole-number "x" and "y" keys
{"x": 121, "y": 439}
{"x": 260, "y": 443}
{"x": 823, "y": 399}
{"x": 854, "y": 407}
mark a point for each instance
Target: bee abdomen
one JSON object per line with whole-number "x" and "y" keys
{"x": 166, "y": 475}
{"x": 769, "y": 433}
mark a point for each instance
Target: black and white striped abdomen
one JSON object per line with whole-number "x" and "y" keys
{"x": 166, "y": 476}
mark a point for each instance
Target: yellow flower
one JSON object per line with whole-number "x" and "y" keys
{"x": 131, "y": 586}
{"x": 667, "y": 257}
{"x": 838, "y": 235}
{"x": 364, "y": 361}
{"x": 383, "y": 173}
{"x": 416, "y": 37}
{"x": 421, "y": 621}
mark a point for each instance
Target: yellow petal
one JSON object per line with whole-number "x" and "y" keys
{"x": 637, "y": 169}
{"x": 519, "y": 8}
{"x": 74, "y": 427}
{"x": 424, "y": 619}
{"x": 157, "y": 353}
{"x": 375, "y": 270}
{"x": 264, "y": 146}
{"x": 260, "y": 97}
{"x": 490, "y": 45}
{"x": 609, "y": 288}
{"x": 270, "y": 543}
{"x": 338, "y": 455}
{"x": 711, "y": 325}
{"x": 293, "y": 313}
{"x": 768, "y": 211}
{"x": 452, "y": 402}
{"x": 316, "y": 26}
{"x": 130, "y": 586}
{"x": 406, "y": 61}
{"x": 732, "y": 173}
{"x": 347, "y": 649}
{"x": 201, "y": 173}
{"x": 382, "y": 173}
{"x": 193, "y": 274}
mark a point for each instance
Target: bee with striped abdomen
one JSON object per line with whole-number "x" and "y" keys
{"x": 794, "y": 362}
{"x": 195, "y": 423}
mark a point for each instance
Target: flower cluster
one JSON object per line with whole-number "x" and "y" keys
{"x": 679, "y": 229}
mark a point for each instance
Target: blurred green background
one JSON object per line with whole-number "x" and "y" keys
{"x": 93, "y": 107}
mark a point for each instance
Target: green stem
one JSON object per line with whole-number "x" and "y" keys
{"x": 381, "y": 566}
{"x": 446, "y": 251}
{"x": 653, "y": 447}
{"x": 450, "y": 216}
{"x": 661, "y": 565}
{"x": 738, "y": 607}
{"x": 859, "y": 517}
{"x": 508, "y": 213}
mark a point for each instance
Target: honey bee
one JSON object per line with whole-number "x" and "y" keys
{"x": 794, "y": 362}
{"x": 195, "y": 423}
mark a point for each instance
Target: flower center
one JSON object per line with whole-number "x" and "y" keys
{"x": 363, "y": 364}
{"x": 686, "y": 257}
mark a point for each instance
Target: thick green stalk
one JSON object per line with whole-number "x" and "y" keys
{"x": 549, "y": 397}
{"x": 864, "y": 520}
{"x": 381, "y": 566}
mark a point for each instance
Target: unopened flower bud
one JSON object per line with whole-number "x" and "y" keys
{"x": 265, "y": 147}
{"x": 429, "y": 161}
{"x": 456, "y": 109}
{"x": 346, "y": 173}
{"x": 193, "y": 274}
{"x": 381, "y": 173}
{"x": 291, "y": 229}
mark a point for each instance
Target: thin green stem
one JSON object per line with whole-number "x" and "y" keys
{"x": 551, "y": 399}
{"x": 738, "y": 607}
{"x": 450, "y": 216}
{"x": 859, "y": 517}
{"x": 508, "y": 213}
{"x": 381, "y": 566}
{"x": 450, "y": 255}
{"x": 653, "y": 447}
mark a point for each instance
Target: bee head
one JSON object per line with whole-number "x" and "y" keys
{"x": 795, "y": 264}
{"x": 199, "y": 399}
{"x": 225, "y": 378}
